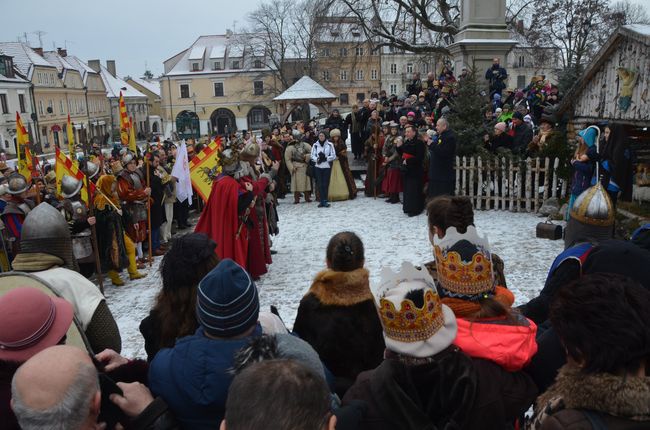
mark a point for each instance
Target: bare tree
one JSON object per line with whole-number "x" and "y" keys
{"x": 625, "y": 12}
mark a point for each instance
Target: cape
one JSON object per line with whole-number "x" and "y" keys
{"x": 220, "y": 221}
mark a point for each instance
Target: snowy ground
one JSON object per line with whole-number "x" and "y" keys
{"x": 389, "y": 237}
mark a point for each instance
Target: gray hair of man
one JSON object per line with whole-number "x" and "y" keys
{"x": 69, "y": 413}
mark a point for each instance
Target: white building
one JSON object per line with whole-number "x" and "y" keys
{"x": 398, "y": 66}
{"x": 14, "y": 97}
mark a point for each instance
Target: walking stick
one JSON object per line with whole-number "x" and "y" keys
{"x": 374, "y": 165}
{"x": 93, "y": 230}
{"x": 149, "y": 212}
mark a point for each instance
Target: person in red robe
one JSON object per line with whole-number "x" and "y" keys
{"x": 227, "y": 208}
{"x": 259, "y": 243}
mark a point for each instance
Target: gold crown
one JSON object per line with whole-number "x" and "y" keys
{"x": 410, "y": 323}
{"x": 467, "y": 278}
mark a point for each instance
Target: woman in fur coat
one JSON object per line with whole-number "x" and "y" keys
{"x": 337, "y": 316}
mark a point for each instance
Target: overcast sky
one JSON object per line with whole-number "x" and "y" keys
{"x": 135, "y": 33}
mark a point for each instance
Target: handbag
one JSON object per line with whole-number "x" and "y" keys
{"x": 310, "y": 169}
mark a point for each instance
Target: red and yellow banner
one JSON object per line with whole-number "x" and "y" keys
{"x": 71, "y": 145}
{"x": 124, "y": 122}
{"x": 64, "y": 166}
{"x": 25, "y": 161}
{"x": 132, "y": 146}
{"x": 204, "y": 165}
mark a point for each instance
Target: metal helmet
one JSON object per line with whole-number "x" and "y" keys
{"x": 45, "y": 230}
{"x": 127, "y": 158}
{"x": 70, "y": 186}
{"x": 17, "y": 184}
{"x": 91, "y": 170}
{"x": 230, "y": 161}
{"x": 591, "y": 218}
{"x": 296, "y": 134}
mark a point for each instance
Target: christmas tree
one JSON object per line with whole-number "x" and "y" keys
{"x": 467, "y": 113}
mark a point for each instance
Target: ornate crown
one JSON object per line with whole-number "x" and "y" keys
{"x": 408, "y": 323}
{"x": 594, "y": 207}
{"x": 460, "y": 277}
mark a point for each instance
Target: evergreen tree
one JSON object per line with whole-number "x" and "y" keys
{"x": 466, "y": 116}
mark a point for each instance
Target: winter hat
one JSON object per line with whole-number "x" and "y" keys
{"x": 335, "y": 132}
{"x": 496, "y": 96}
{"x": 414, "y": 320}
{"x": 507, "y": 106}
{"x": 528, "y": 119}
{"x": 294, "y": 348}
{"x": 518, "y": 115}
{"x": 31, "y": 321}
{"x": 622, "y": 257}
{"x": 227, "y": 302}
{"x": 410, "y": 114}
{"x": 519, "y": 95}
{"x": 501, "y": 126}
{"x": 498, "y": 111}
{"x": 590, "y": 135}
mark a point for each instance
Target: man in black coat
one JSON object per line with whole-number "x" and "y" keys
{"x": 496, "y": 75}
{"x": 441, "y": 161}
{"x": 335, "y": 120}
{"x": 412, "y": 153}
{"x": 523, "y": 134}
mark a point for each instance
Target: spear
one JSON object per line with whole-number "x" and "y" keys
{"x": 149, "y": 212}
{"x": 93, "y": 230}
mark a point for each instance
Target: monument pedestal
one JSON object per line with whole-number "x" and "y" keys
{"x": 483, "y": 35}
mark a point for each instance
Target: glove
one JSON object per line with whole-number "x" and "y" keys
{"x": 321, "y": 157}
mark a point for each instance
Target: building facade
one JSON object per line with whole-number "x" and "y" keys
{"x": 398, "y": 66}
{"x": 523, "y": 62}
{"x": 216, "y": 86}
{"x": 14, "y": 97}
{"x": 151, "y": 89}
{"x": 136, "y": 103}
{"x": 347, "y": 64}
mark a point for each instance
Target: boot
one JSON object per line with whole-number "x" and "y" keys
{"x": 296, "y": 198}
{"x": 115, "y": 278}
{"x": 308, "y": 196}
{"x": 133, "y": 264}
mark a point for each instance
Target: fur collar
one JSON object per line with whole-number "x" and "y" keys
{"x": 627, "y": 397}
{"x": 341, "y": 288}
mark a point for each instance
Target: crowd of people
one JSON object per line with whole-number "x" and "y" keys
{"x": 436, "y": 344}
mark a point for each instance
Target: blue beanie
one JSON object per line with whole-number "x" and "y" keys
{"x": 227, "y": 302}
{"x": 589, "y": 135}
{"x": 496, "y": 96}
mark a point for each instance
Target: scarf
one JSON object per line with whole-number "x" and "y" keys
{"x": 36, "y": 262}
{"x": 465, "y": 308}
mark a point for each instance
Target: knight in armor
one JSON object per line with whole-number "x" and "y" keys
{"x": 46, "y": 252}
{"x": 259, "y": 243}
{"x": 16, "y": 209}
{"x": 228, "y": 210}
{"x": 75, "y": 212}
{"x": 296, "y": 156}
{"x": 134, "y": 195}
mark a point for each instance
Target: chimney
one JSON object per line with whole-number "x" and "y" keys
{"x": 62, "y": 52}
{"x": 94, "y": 64}
{"x": 39, "y": 51}
{"x": 110, "y": 65}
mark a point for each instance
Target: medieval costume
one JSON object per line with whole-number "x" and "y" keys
{"x": 114, "y": 254}
{"x": 392, "y": 183}
{"x": 296, "y": 158}
{"x": 46, "y": 252}
{"x": 77, "y": 216}
{"x": 412, "y": 157}
{"x": 342, "y": 158}
{"x": 227, "y": 210}
{"x": 354, "y": 124}
{"x": 158, "y": 177}
{"x": 373, "y": 150}
{"x": 259, "y": 244}
{"x": 616, "y": 164}
{"x": 338, "y": 188}
{"x": 15, "y": 211}
{"x": 131, "y": 189}
{"x": 442, "y": 152}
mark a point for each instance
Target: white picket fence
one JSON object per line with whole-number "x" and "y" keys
{"x": 501, "y": 184}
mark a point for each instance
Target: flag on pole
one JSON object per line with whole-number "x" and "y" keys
{"x": 64, "y": 166}
{"x": 205, "y": 166}
{"x": 181, "y": 171}
{"x": 71, "y": 145}
{"x": 124, "y": 122}
{"x": 25, "y": 161}
{"x": 132, "y": 146}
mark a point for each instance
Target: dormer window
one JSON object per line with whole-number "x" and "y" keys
{"x": 257, "y": 64}
{"x": 216, "y": 65}
{"x": 334, "y": 33}
{"x": 6, "y": 66}
{"x": 236, "y": 64}
{"x": 356, "y": 32}
{"x": 195, "y": 66}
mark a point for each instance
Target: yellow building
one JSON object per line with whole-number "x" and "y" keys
{"x": 216, "y": 86}
{"x": 347, "y": 66}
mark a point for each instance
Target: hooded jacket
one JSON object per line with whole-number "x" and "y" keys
{"x": 193, "y": 377}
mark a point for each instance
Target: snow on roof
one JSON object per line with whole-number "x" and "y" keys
{"x": 305, "y": 89}
{"x": 642, "y": 29}
{"x": 197, "y": 53}
{"x": 153, "y": 86}
{"x": 341, "y": 32}
{"x": 114, "y": 85}
{"x": 235, "y": 51}
{"x": 218, "y": 51}
{"x": 79, "y": 65}
{"x": 58, "y": 61}
{"x": 24, "y": 57}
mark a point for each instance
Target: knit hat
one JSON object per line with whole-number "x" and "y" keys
{"x": 519, "y": 95}
{"x": 464, "y": 264}
{"x": 410, "y": 114}
{"x": 500, "y": 126}
{"x": 31, "y": 321}
{"x": 496, "y": 96}
{"x": 414, "y": 320}
{"x": 518, "y": 115}
{"x": 227, "y": 302}
{"x": 590, "y": 135}
{"x": 335, "y": 132}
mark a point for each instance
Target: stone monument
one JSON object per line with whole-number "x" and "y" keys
{"x": 483, "y": 35}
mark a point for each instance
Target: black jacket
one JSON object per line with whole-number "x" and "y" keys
{"x": 441, "y": 158}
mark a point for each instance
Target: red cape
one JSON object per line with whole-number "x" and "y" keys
{"x": 220, "y": 221}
